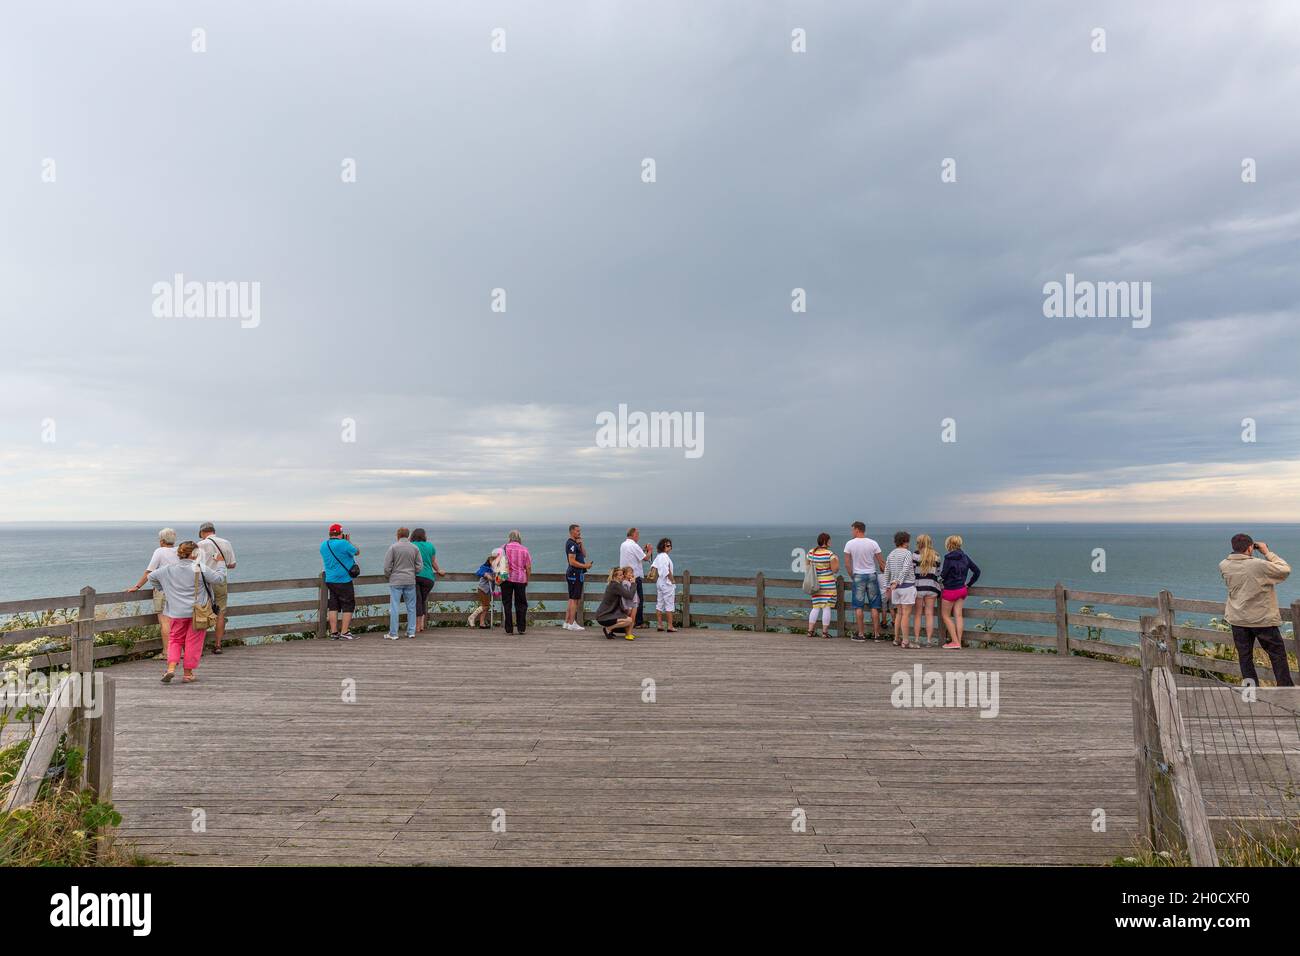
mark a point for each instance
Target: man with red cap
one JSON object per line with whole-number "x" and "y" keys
{"x": 339, "y": 554}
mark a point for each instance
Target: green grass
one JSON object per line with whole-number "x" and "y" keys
{"x": 59, "y": 827}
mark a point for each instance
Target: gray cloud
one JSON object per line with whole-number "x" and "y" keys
{"x": 521, "y": 171}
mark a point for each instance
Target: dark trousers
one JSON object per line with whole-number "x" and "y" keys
{"x": 1270, "y": 638}
{"x": 640, "y": 604}
{"x": 514, "y": 603}
{"x": 422, "y": 588}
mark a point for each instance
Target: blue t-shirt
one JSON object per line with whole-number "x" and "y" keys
{"x": 336, "y": 572}
{"x": 572, "y": 547}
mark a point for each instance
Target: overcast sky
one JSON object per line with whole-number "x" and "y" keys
{"x": 775, "y": 170}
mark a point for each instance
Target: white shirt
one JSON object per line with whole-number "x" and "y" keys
{"x": 208, "y": 552}
{"x": 664, "y": 565}
{"x": 162, "y": 557}
{"x": 631, "y": 555}
{"x": 861, "y": 553}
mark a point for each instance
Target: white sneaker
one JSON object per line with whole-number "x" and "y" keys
{"x": 577, "y": 627}
{"x": 390, "y": 637}
{"x": 567, "y": 626}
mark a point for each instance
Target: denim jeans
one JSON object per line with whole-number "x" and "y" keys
{"x": 399, "y": 594}
{"x": 866, "y": 591}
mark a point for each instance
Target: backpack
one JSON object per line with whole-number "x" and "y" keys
{"x": 501, "y": 565}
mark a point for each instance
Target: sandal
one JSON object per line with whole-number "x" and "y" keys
{"x": 217, "y": 649}
{"x": 190, "y": 679}
{"x": 167, "y": 678}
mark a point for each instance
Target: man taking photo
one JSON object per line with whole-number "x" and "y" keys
{"x": 1251, "y": 610}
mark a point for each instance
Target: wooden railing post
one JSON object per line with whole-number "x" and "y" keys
{"x": 840, "y": 617}
{"x": 1062, "y": 621}
{"x": 1164, "y": 831}
{"x": 322, "y": 608}
{"x": 1193, "y": 821}
{"x": 81, "y": 659}
{"x": 686, "y": 599}
{"x": 760, "y": 603}
{"x": 1165, "y": 615}
{"x": 99, "y": 758}
{"x": 1146, "y": 830}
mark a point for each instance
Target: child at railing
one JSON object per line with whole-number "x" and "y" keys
{"x": 486, "y": 585}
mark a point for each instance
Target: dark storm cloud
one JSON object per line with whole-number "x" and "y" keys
{"x": 521, "y": 170}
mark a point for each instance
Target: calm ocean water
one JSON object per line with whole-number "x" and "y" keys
{"x": 37, "y": 560}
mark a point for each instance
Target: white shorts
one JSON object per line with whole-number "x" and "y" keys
{"x": 665, "y": 597}
{"x": 903, "y": 596}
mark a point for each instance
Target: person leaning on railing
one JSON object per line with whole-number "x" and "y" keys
{"x": 213, "y": 551}
{"x": 1251, "y": 610}
{"x": 163, "y": 555}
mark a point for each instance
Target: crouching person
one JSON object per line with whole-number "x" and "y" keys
{"x": 187, "y": 588}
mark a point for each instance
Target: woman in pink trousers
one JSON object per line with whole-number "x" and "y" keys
{"x": 183, "y": 584}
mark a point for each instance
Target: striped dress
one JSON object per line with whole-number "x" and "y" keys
{"x": 824, "y": 596}
{"x": 927, "y": 585}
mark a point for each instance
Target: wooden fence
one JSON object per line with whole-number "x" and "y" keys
{"x": 1217, "y": 766}
{"x": 80, "y": 711}
{"x": 1052, "y": 619}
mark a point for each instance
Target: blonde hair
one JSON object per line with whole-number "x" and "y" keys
{"x": 925, "y": 550}
{"x": 185, "y": 549}
{"x": 167, "y": 536}
{"x": 952, "y": 542}
{"x": 614, "y": 575}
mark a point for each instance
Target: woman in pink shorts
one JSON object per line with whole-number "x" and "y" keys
{"x": 957, "y": 576}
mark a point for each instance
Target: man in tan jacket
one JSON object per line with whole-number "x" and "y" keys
{"x": 1252, "y": 606}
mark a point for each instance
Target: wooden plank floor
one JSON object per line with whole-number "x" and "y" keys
{"x": 551, "y": 729}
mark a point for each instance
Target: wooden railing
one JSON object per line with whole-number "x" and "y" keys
{"x": 80, "y": 710}
{"x": 1054, "y": 618}
{"x": 1216, "y": 764}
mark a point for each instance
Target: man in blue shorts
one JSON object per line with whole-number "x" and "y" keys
{"x": 576, "y": 566}
{"x": 863, "y": 560}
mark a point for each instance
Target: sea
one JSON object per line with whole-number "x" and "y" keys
{"x": 48, "y": 559}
